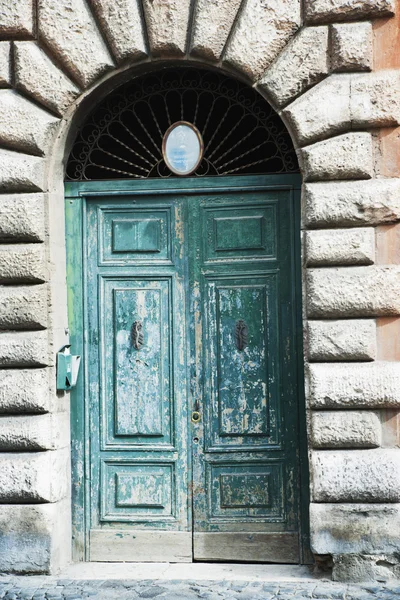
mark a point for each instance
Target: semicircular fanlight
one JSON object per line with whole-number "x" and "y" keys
{"x": 123, "y": 136}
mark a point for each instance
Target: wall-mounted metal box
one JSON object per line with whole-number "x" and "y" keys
{"x": 67, "y": 368}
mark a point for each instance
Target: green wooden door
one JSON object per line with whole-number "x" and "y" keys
{"x": 189, "y": 396}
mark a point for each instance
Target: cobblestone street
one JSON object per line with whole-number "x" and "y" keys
{"x": 51, "y": 588}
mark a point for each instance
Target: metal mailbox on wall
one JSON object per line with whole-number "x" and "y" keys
{"x": 67, "y": 368}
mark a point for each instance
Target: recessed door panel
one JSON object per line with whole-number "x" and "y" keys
{"x": 138, "y": 491}
{"x": 137, "y": 392}
{"x": 132, "y": 235}
{"x": 240, "y": 232}
{"x": 242, "y": 332}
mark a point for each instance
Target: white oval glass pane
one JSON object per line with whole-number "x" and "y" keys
{"x": 182, "y": 149}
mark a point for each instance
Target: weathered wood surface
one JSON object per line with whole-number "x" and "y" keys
{"x": 247, "y": 547}
{"x": 140, "y": 546}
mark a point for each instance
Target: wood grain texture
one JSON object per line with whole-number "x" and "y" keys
{"x": 140, "y": 546}
{"x": 245, "y": 547}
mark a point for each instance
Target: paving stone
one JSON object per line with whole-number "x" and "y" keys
{"x": 152, "y": 592}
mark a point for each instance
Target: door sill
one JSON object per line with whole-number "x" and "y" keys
{"x": 200, "y": 571}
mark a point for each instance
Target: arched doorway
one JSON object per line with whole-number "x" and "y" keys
{"x": 185, "y": 305}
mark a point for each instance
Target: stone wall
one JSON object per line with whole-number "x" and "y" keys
{"x": 315, "y": 63}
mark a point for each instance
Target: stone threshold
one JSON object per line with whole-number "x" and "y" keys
{"x": 192, "y": 572}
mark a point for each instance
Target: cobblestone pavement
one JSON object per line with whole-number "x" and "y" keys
{"x": 50, "y": 588}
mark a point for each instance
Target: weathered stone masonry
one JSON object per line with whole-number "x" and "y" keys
{"x": 315, "y": 63}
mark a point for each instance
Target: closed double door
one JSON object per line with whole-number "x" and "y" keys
{"x": 190, "y": 375}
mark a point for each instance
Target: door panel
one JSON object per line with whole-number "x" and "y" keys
{"x": 245, "y": 461}
{"x": 239, "y": 356}
{"x": 137, "y": 386}
{"x": 189, "y": 310}
{"x": 137, "y": 392}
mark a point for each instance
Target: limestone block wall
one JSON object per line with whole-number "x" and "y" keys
{"x": 332, "y": 70}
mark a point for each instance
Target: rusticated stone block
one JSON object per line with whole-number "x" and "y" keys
{"x": 340, "y": 247}
{"x": 349, "y": 429}
{"x": 37, "y": 76}
{"x": 346, "y": 156}
{"x": 361, "y": 568}
{"x": 70, "y": 32}
{"x": 212, "y": 23}
{"x": 261, "y": 32}
{"x": 24, "y": 349}
{"x": 321, "y": 112}
{"x": 357, "y": 385}
{"x": 347, "y": 203}
{"x": 122, "y": 24}
{"x": 34, "y": 432}
{"x": 342, "y": 340}
{"x": 24, "y": 391}
{"x": 22, "y": 263}
{"x": 24, "y": 126}
{"x": 353, "y": 292}
{"x": 5, "y": 70}
{"x": 302, "y": 64}
{"x": 354, "y": 528}
{"x": 355, "y": 475}
{"x": 167, "y": 25}
{"x": 33, "y": 476}
{"x": 375, "y": 99}
{"x": 22, "y": 218}
{"x": 351, "y": 48}
{"x": 27, "y": 537}
{"x": 23, "y": 307}
{"x": 20, "y": 172}
{"x": 325, "y": 11}
{"x": 16, "y": 18}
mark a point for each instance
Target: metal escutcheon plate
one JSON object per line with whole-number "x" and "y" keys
{"x": 196, "y": 416}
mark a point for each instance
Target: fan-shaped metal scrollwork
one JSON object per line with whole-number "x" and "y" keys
{"x": 123, "y": 137}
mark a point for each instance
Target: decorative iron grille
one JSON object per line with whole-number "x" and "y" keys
{"x": 123, "y": 136}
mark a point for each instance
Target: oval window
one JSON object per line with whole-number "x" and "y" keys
{"x": 182, "y": 148}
